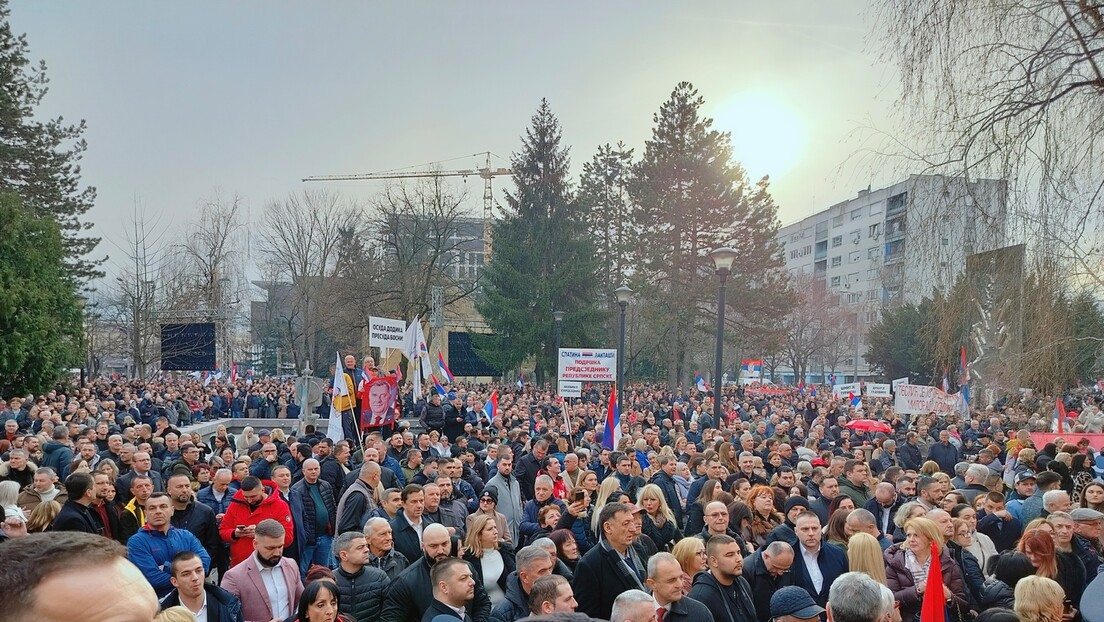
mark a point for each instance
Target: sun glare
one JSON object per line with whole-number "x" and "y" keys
{"x": 768, "y": 137}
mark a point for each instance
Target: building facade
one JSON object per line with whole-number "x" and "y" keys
{"x": 891, "y": 246}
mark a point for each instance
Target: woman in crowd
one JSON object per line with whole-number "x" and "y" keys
{"x": 43, "y": 516}
{"x": 9, "y": 494}
{"x": 929, "y": 468}
{"x": 1038, "y": 545}
{"x": 841, "y": 502}
{"x": 972, "y": 576}
{"x": 951, "y": 500}
{"x": 201, "y": 476}
{"x": 690, "y": 553}
{"x": 1039, "y": 599}
{"x": 907, "y": 570}
{"x": 1082, "y": 474}
{"x": 835, "y": 532}
{"x": 658, "y": 519}
{"x": 247, "y": 439}
{"x": 763, "y": 517}
{"x": 1058, "y": 465}
{"x": 1092, "y": 496}
{"x": 567, "y": 550}
{"x": 1008, "y": 568}
{"x": 864, "y": 555}
{"x": 547, "y": 519}
{"x": 109, "y": 467}
{"x": 491, "y": 560}
{"x": 605, "y": 491}
{"x": 981, "y": 545}
{"x": 319, "y": 603}
{"x": 912, "y": 509}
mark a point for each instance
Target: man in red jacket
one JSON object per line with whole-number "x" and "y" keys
{"x": 253, "y": 503}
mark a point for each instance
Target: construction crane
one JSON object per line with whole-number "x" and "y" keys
{"x": 486, "y": 173}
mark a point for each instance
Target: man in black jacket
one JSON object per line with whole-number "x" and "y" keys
{"x": 409, "y": 522}
{"x": 766, "y": 571}
{"x": 186, "y": 576}
{"x": 532, "y": 563}
{"x": 722, "y": 590}
{"x": 411, "y": 593}
{"x": 612, "y": 567}
{"x": 666, "y": 482}
{"x": 528, "y": 466}
{"x": 75, "y": 515}
{"x": 362, "y": 587}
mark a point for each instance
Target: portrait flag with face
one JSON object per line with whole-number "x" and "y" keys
{"x": 378, "y": 397}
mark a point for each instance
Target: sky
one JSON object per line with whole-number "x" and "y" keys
{"x": 187, "y": 101}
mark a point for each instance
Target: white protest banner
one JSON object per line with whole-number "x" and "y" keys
{"x": 571, "y": 389}
{"x": 842, "y": 390}
{"x": 587, "y": 365}
{"x": 386, "y": 333}
{"x": 898, "y": 382}
{"x": 914, "y": 399}
{"x": 877, "y": 390}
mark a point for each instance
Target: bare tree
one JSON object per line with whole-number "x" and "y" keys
{"x": 299, "y": 245}
{"x": 814, "y": 326}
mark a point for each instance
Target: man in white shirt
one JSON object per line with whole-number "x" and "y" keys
{"x": 209, "y": 603}
{"x": 266, "y": 583}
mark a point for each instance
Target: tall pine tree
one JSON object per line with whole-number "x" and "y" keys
{"x": 38, "y": 160}
{"x": 690, "y": 198}
{"x": 541, "y": 260}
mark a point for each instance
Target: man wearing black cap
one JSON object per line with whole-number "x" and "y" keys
{"x": 792, "y": 604}
{"x": 785, "y": 532}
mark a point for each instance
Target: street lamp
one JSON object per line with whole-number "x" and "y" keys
{"x": 557, "y": 318}
{"x": 624, "y": 294}
{"x": 723, "y": 258}
{"x": 82, "y": 301}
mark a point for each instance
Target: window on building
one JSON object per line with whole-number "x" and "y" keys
{"x": 871, "y": 317}
{"x": 837, "y": 261}
{"x": 854, "y": 298}
{"x": 875, "y": 229}
{"x": 793, "y": 254}
{"x": 856, "y": 213}
{"x": 837, "y": 241}
{"x": 837, "y": 221}
{"x": 874, "y": 253}
{"x": 835, "y": 281}
{"x": 876, "y": 209}
{"x": 856, "y": 236}
{"x": 853, "y": 277}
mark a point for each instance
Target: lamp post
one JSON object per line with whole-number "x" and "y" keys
{"x": 557, "y": 319}
{"x": 83, "y": 302}
{"x": 623, "y": 294}
{"x": 723, "y": 258}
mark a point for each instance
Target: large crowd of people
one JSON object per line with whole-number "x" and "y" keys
{"x": 780, "y": 509}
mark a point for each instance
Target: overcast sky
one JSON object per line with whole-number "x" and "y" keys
{"x": 188, "y": 99}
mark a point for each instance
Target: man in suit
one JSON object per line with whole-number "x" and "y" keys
{"x": 453, "y": 590}
{"x": 266, "y": 583}
{"x": 816, "y": 563}
{"x": 665, "y": 581}
{"x": 75, "y": 515}
{"x": 612, "y": 567}
{"x": 141, "y": 465}
{"x": 411, "y": 593}
{"x": 409, "y": 523}
{"x": 186, "y": 574}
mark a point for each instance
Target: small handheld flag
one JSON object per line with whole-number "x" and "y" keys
{"x": 1060, "y": 414}
{"x": 856, "y": 401}
{"x": 700, "y": 382}
{"x": 339, "y": 387}
{"x": 612, "y": 435}
{"x": 437, "y": 386}
{"x": 933, "y": 608}
{"x": 491, "y": 407}
{"x": 444, "y": 369}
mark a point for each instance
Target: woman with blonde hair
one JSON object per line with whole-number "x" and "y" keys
{"x": 658, "y": 519}
{"x": 43, "y": 516}
{"x": 864, "y": 555}
{"x": 907, "y": 569}
{"x": 608, "y": 486}
{"x": 929, "y": 468}
{"x": 690, "y": 553}
{"x": 1039, "y": 599}
{"x": 491, "y": 559}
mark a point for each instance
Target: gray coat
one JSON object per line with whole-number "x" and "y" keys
{"x": 509, "y": 502}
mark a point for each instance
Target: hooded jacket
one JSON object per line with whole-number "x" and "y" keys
{"x": 727, "y": 604}
{"x": 240, "y": 513}
{"x": 516, "y": 604}
{"x": 58, "y": 457}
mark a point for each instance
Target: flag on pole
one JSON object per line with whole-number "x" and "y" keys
{"x": 437, "y": 386}
{"x": 334, "y": 431}
{"x": 521, "y": 381}
{"x": 413, "y": 346}
{"x": 444, "y": 369}
{"x": 934, "y": 606}
{"x": 612, "y": 435}
{"x": 196, "y": 375}
{"x": 856, "y": 401}
{"x": 801, "y": 387}
{"x": 1060, "y": 414}
{"x": 700, "y": 382}
{"x": 338, "y": 382}
{"x": 234, "y": 372}
{"x": 491, "y": 407}
{"x": 964, "y": 377}
{"x": 206, "y": 378}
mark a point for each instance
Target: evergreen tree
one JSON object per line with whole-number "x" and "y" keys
{"x": 896, "y": 345}
{"x": 39, "y": 158}
{"x": 541, "y": 260}
{"x": 690, "y": 198}
{"x": 39, "y": 315}
{"x": 1088, "y": 330}
{"x": 604, "y": 204}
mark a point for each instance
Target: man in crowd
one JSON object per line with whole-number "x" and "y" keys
{"x": 381, "y": 548}
{"x": 766, "y": 571}
{"x": 883, "y": 507}
{"x": 141, "y": 466}
{"x": 633, "y": 606}
{"x": 217, "y": 496}
{"x": 266, "y": 582}
{"x": 551, "y": 594}
{"x": 793, "y": 604}
{"x": 76, "y": 514}
{"x": 454, "y": 589}
{"x": 411, "y": 592}
{"x": 358, "y": 502}
{"x": 409, "y": 526}
{"x": 157, "y": 542}
{"x": 191, "y": 592}
{"x": 612, "y": 566}
{"x": 542, "y": 496}
{"x": 855, "y": 597}
{"x": 665, "y": 582}
{"x": 853, "y": 482}
{"x": 134, "y": 512}
{"x": 253, "y": 503}
{"x": 17, "y": 469}
{"x": 319, "y": 513}
{"x": 721, "y": 588}
{"x": 362, "y": 586}
{"x": 532, "y": 563}
{"x": 196, "y": 518}
{"x": 44, "y": 487}
{"x": 816, "y": 563}
{"x": 509, "y": 492}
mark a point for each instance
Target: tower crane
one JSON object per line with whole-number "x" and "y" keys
{"x": 486, "y": 173}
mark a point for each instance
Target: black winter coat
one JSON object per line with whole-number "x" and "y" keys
{"x": 411, "y": 593}
{"x": 516, "y": 604}
{"x": 362, "y": 592}
{"x": 971, "y": 573}
{"x": 310, "y": 527}
{"x": 76, "y": 516}
{"x": 222, "y": 606}
{"x": 509, "y": 563}
{"x": 727, "y": 604}
{"x": 997, "y": 594}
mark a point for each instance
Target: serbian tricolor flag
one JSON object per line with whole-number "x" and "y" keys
{"x": 801, "y": 387}
{"x": 934, "y": 608}
{"x": 856, "y": 401}
{"x": 491, "y": 407}
{"x": 964, "y": 376}
{"x": 234, "y": 373}
{"x": 612, "y": 435}
{"x": 521, "y": 381}
{"x": 1060, "y": 414}
{"x": 444, "y": 368}
{"x": 700, "y": 382}
{"x": 437, "y": 386}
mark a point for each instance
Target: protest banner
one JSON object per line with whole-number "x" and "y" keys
{"x": 912, "y": 399}
{"x": 843, "y": 390}
{"x": 898, "y": 382}
{"x": 571, "y": 389}
{"x": 877, "y": 390}
{"x": 385, "y": 333}
{"x": 587, "y": 365}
